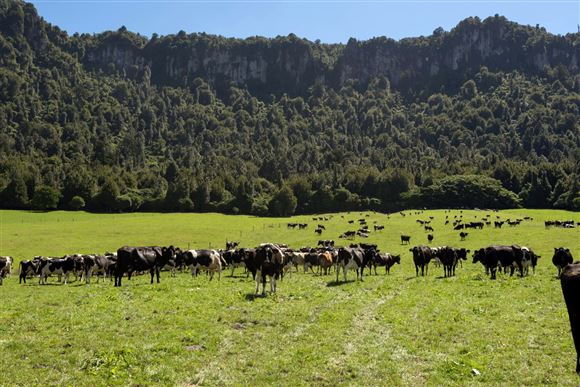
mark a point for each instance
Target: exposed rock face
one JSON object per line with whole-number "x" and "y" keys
{"x": 292, "y": 65}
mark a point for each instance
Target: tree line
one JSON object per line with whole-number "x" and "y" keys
{"x": 74, "y": 137}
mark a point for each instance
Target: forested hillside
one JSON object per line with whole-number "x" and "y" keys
{"x": 194, "y": 122}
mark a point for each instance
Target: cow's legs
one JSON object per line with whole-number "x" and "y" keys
{"x": 344, "y": 272}
{"x": 211, "y": 275}
{"x": 257, "y": 278}
{"x": 273, "y": 284}
{"x": 337, "y": 272}
{"x": 219, "y": 274}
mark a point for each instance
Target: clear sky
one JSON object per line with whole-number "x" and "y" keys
{"x": 330, "y": 21}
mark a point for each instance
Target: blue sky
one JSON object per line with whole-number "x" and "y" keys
{"x": 329, "y": 21}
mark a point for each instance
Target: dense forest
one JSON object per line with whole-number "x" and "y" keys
{"x": 484, "y": 115}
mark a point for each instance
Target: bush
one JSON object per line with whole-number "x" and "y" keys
{"x": 45, "y": 198}
{"x": 77, "y": 203}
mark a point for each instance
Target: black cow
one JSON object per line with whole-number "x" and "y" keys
{"x": 461, "y": 255}
{"x": 430, "y": 238}
{"x": 463, "y": 235}
{"x": 405, "y": 239}
{"x": 421, "y": 257}
{"x": 130, "y": 259}
{"x": 562, "y": 257}
{"x": 570, "y": 281}
{"x": 489, "y": 261}
{"x": 448, "y": 258}
{"x": 250, "y": 260}
{"x": 269, "y": 263}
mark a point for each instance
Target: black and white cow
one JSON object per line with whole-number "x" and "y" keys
{"x": 385, "y": 259}
{"x": 3, "y": 268}
{"x": 269, "y": 262}
{"x": 8, "y": 268}
{"x": 351, "y": 258}
{"x": 234, "y": 258}
{"x": 208, "y": 260}
{"x": 59, "y": 266}
{"x": 28, "y": 269}
{"x": 131, "y": 259}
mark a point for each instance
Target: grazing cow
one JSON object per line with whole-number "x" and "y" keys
{"x": 59, "y": 266}
{"x": 325, "y": 262}
{"x": 421, "y": 257}
{"x": 350, "y": 258}
{"x": 348, "y": 235}
{"x": 570, "y": 281}
{"x": 318, "y": 231}
{"x": 448, "y": 258}
{"x": 429, "y": 228}
{"x": 511, "y": 257}
{"x": 463, "y": 235}
{"x": 405, "y": 239}
{"x": 562, "y": 257}
{"x": 320, "y": 226}
{"x": 430, "y": 238}
{"x": 269, "y": 263}
{"x": 378, "y": 227}
{"x": 385, "y": 259}
{"x": 130, "y": 259}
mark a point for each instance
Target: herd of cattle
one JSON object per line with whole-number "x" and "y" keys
{"x": 274, "y": 261}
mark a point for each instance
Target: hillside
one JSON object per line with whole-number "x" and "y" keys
{"x": 119, "y": 122}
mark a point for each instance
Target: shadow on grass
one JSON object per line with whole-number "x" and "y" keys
{"x": 339, "y": 283}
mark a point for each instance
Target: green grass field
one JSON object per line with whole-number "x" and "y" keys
{"x": 387, "y": 330}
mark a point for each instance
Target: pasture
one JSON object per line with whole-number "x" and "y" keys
{"x": 387, "y": 330}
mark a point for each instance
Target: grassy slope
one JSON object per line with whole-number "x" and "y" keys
{"x": 387, "y": 330}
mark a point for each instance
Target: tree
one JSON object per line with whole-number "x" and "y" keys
{"x": 45, "y": 198}
{"x": 15, "y": 195}
{"x": 107, "y": 196}
{"x": 76, "y": 203}
{"x": 283, "y": 203}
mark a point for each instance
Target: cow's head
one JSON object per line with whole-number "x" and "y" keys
{"x": 397, "y": 259}
{"x": 478, "y": 255}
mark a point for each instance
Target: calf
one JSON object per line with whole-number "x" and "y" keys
{"x": 405, "y": 239}
{"x": 570, "y": 281}
{"x": 562, "y": 257}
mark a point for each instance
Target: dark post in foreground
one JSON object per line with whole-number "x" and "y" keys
{"x": 570, "y": 281}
